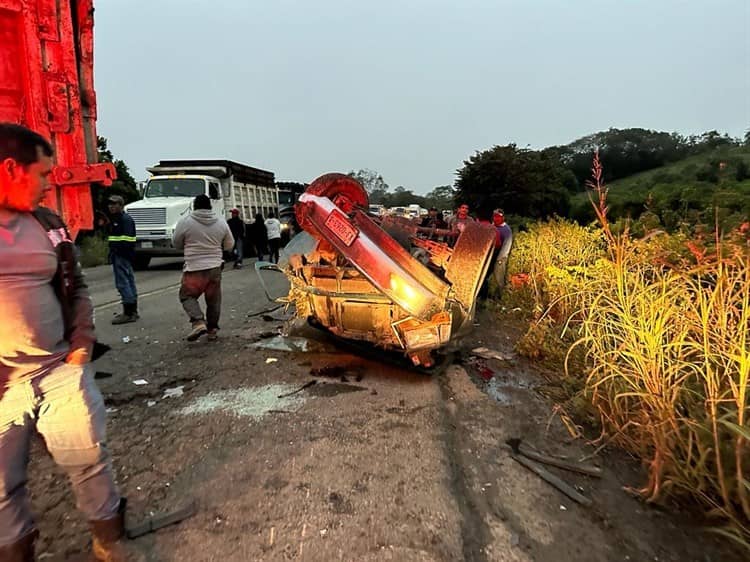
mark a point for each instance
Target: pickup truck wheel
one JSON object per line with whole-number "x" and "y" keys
{"x": 141, "y": 262}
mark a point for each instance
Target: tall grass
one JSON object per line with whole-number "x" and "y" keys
{"x": 557, "y": 256}
{"x": 663, "y": 324}
{"x": 668, "y": 366}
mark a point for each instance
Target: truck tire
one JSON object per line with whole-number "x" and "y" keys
{"x": 141, "y": 262}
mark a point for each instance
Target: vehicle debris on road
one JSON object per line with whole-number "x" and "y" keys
{"x": 486, "y": 353}
{"x": 521, "y": 448}
{"x": 157, "y": 522}
{"x": 173, "y": 392}
{"x": 520, "y": 456}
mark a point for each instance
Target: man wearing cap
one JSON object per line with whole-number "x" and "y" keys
{"x": 121, "y": 230}
{"x": 237, "y": 226}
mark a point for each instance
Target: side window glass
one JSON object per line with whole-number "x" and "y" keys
{"x": 213, "y": 191}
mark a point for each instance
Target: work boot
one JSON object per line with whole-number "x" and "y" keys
{"x": 129, "y": 314}
{"x": 212, "y": 335}
{"x": 199, "y": 328}
{"x": 21, "y": 550}
{"x": 109, "y": 542}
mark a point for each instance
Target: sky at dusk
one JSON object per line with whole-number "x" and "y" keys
{"x": 408, "y": 88}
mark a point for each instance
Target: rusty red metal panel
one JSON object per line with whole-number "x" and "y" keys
{"x": 14, "y": 79}
{"x": 47, "y": 84}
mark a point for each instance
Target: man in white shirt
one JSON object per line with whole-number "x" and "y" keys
{"x": 273, "y": 228}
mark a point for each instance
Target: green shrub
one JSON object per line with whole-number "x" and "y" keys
{"x": 93, "y": 251}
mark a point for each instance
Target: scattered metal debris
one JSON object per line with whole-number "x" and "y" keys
{"x": 283, "y": 343}
{"x": 557, "y": 482}
{"x": 486, "y": 353}
{"x": 300, "y": 389}
{"x": 173, "y": 392}
{"x": 163, "y": 520}
{"x": 265, "y": 311}
{"x": 521, "y": 448}
{"x": 140, "y": 382}
{"x": 271, "y": 360}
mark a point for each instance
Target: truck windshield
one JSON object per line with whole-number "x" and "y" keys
{"x": 178, "y": 187}
{"x": 286, "y": 198}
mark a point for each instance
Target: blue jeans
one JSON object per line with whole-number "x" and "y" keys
{"x": 124, "y": 279}
{"x": 239, "y": 251}
{"x": 66, "y": 408}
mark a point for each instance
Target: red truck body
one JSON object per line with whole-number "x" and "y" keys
{"x": 47, "y": 84}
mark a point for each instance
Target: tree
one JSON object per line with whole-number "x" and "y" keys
{"x": 125, "y": 185}
{"x": 521, "y": 181}
{"x": 623, "y": 152}
{"x": 742, "y": 171}
{"x": 442, "y": 197}
{"x": 370, "y": 180}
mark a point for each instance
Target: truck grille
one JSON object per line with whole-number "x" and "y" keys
{"x": 146, "y": 217}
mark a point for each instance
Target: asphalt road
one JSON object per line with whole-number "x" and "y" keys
{"x": 316, "y": 454}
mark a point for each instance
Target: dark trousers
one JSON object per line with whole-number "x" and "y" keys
{"x": 484, "y": 290}
{"x": 239, "y": 251}
{"x": 274, "y": 244}
{"x": 260, "y": 249}
{"x": 124, "y": 279}
{"x": 206, "y": 282}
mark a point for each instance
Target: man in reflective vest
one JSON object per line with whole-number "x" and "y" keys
{"x": 121, "y": 254}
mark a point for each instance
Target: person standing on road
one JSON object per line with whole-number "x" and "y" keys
{"x": 259, "y": 236}
{"x": 273, "y": 230}
{"x": 203, "y": 238}
{"x": 46, "y": 345}
{"x": 121, "y": 238}
{"x": 237, "y": 226}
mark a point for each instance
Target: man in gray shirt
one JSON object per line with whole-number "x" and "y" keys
{"x": 204, "y": 238}
{"x": 46, "y": 344}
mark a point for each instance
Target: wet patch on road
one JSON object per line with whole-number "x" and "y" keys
{"x": 326, "y": 390}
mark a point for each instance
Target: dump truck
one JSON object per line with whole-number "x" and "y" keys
{"x": 169, "y": 192}
{"x": 379, "y": 281}
{"x": 47, "y": 84}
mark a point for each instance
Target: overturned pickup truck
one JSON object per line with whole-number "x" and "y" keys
{"x": 382, "y": 280}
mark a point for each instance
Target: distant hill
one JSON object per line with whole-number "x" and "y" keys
{"x": 688, "y": 190}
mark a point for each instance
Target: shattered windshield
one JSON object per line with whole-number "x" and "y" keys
{"x": 178, "y": 187}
